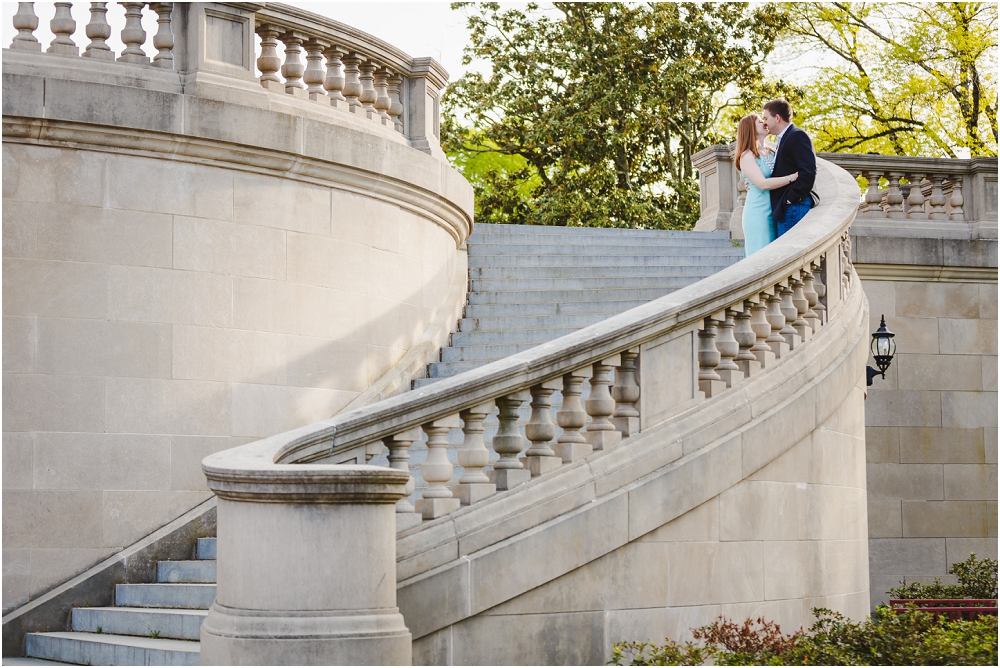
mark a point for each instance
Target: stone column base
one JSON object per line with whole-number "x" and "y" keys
{"x": 508, "y": 478}
{"x": 236, "y": 637}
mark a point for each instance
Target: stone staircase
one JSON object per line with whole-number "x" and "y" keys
{"x": 532, "y": 284}
{"x": 150, "y": 624}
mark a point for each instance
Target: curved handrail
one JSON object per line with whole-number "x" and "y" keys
{"x": 820, "y": 238}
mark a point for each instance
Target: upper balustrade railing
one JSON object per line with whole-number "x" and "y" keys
{"x": 957, "y": 197}
{"x": 344, "y": 69}
{"x": 643, "y": 367}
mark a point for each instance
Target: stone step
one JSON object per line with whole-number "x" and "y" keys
{"x": 500, "y": 229}
{"x": 561, "y": 297}
{"x": 610, "y": 307}
{"x": 164, "y": 623}
{"x": 31, "y": 661}
{"x": 186, "y": 596}
{"x": 512, "y": 324}
{"x": 670, "y": 280}
{"x": 605, "y": 271}
{"x": 206, "y": 548}
{"x": 639, "y": 258}
{"x": 99, "y": 649}
{"x": 186, "y": 571}
{"x": 437, "y": 370}
{"x": 679, "y": 244}
{"x": 572, "y": 247}
{"x": 486, "y": 353}
{"x": 501, "y": 336}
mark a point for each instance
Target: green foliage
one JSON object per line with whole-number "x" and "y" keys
{"x": 977, "y": 578}
{"x": 906, "y": 78}
{"x": 911, "y": 638}
{"x": 590, "y": 112}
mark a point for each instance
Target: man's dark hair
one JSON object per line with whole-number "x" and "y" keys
{"x": 780, "y": 108}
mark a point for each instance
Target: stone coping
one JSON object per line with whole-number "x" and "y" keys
{"x": 324, "y": 484}
{"x": 85, "y": 104}
{"x": 819, "y": 231}
{"x": 903, "y": 163}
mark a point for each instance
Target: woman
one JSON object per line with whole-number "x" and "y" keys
{"x": 756, "y": 160}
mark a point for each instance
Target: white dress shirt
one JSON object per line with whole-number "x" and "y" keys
{"x": 777, "y": 139}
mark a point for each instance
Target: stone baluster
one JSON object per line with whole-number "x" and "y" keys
{"x": 474, "y": 485}
{"x": 133, "y": 36}
{"x": 540, "y": 430}
{"x": 572, "y": 445}
{"x": 382, "y": 101}
{"x": 791, "y": 314}
{"x": 26, "y": 23}
{"x": 873, "y": 198}
{"x": 600, "y": 405}
{"x": 729, "y": 348}
{"x": 269, "y": 61}
{"x": 163, "y": 40}
{"x": 915, "y": 201}
{"x": 956, "y": 201}
{"x": 334, "y": 82}
{"x": 509, "y": 471}
{"x": 98, "y": 30}
{"x": 396, "y": 107}
{"x": 293, "y": 69}
{"x": 820, "y": 288}
{"x": 801, "y": 303}
{"x": 399, "y": 459}
{"x": 894, "y": 198}
{"x": 626, "y": 394}
{"x": 368, "y": 93}
{"x": 315, "y": 74}
{"x": 63, "y": 26}
{"x": 746, "y": 338}
{"x": 812, "y": 298}
{"x": 777, "y": 342}
{"x": 709, "y": 381}
{"x": 937, "y": 200}
{"x": 352, "y": 82}
{"x": 437, "y": 499}
{"x": 762, "y": 331}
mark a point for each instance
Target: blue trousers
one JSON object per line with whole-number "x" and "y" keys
{"x": 793, "y": 214}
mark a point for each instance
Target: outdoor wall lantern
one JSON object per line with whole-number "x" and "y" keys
{"x": 883, "y": 348}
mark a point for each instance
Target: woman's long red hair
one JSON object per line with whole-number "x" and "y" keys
{"x": 746, "y": 139}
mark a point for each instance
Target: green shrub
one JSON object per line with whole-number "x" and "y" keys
{"x": 910, "y": 637}
{"x": 977, "y": 578}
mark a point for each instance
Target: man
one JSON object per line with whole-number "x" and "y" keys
{"x": 794, "y": 154}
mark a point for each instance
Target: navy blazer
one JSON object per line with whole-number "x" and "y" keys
{"x": 795, "y": 154}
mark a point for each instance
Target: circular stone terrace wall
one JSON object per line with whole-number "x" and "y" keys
{"x": 182, "y": 275}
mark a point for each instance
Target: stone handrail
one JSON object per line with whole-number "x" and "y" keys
{"x": 957, "y": 198}
{"x": 742, "y": 318}
{"x": 345, "y": 69}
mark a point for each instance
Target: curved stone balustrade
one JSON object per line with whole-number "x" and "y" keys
{"x": 212, "y": 45}
{"x": 696, "y": 368}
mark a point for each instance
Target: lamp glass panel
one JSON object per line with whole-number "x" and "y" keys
{"x": 883, "y": 345}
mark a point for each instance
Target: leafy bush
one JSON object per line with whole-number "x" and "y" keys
{"x": 977, "y": 578}
{"x": 910, "y": 637}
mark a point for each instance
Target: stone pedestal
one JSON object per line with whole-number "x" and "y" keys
{"x": 508, "y": 478}
{"x": 603, "y": 440}
{"x": 626, "y": 425}
{"x": 306, "y": 565}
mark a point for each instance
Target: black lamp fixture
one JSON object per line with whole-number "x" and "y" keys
{"x": 883, "y": 348}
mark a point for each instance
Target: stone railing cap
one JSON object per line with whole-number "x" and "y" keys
{"x": 822, "y": 228}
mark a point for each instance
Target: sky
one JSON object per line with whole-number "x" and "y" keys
{"x": 418, "y": 28}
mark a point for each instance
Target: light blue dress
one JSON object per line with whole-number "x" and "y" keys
{"x": 758, "y": 226}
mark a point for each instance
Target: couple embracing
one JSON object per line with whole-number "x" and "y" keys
{"x": 779, "y": 178}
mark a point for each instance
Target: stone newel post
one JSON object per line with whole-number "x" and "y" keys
{"x": 306, "y": 566}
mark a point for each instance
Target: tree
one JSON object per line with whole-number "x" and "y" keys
{"x": 597, "y": 108}
{"x": 909, "y": 78}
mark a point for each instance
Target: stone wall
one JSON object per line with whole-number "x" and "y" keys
{"x": 932, "y": 423}
{"x": 167, "y": 296}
